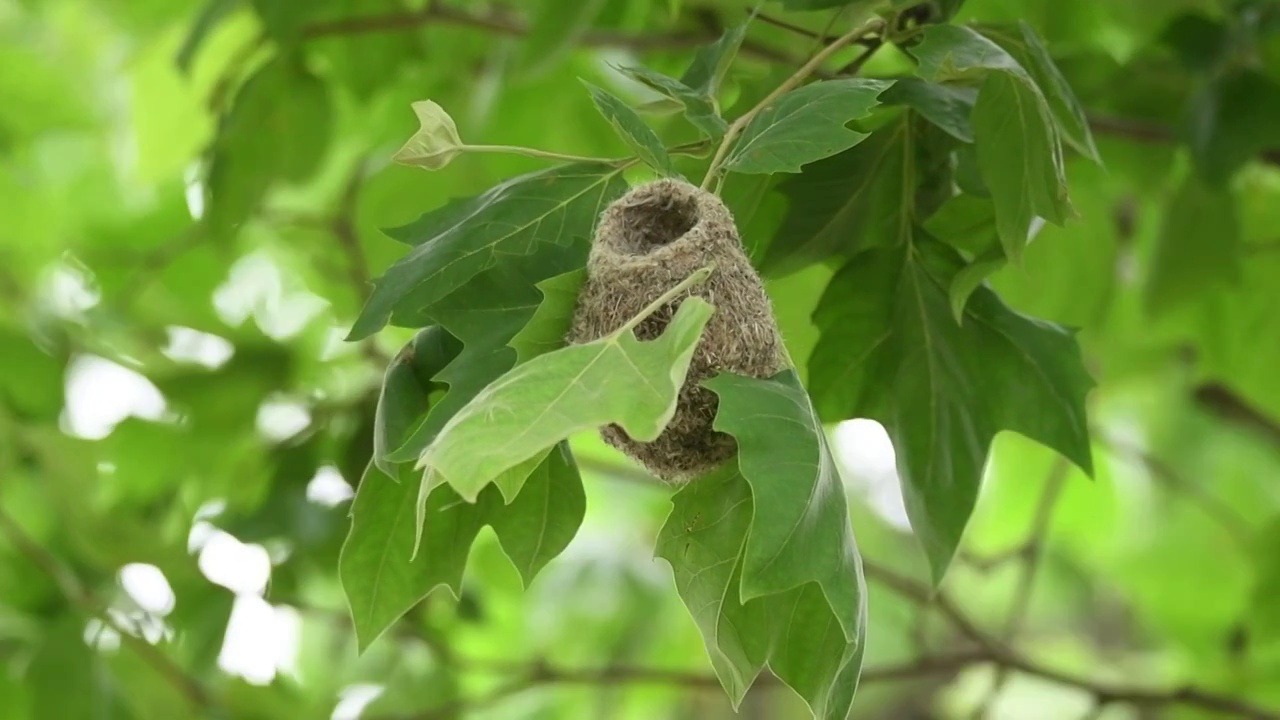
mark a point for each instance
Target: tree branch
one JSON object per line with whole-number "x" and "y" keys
{"x": 992, "y": 650}
{"x": 1222, "y": 402}
{"x": 84, "y": 603}
{"x": 1142, "y": 131}
{"x": 501, "y": 22}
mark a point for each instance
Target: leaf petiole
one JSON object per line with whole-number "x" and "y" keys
{"x": 698, "y": 277}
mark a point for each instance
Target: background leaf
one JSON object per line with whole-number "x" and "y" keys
{"x": 631, "y": 128}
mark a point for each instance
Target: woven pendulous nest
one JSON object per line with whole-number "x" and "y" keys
{"x": 648, "y": 241}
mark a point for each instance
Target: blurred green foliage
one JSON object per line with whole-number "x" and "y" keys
{"x": 196, "y": 200}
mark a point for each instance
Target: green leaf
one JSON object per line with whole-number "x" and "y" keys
{"x": 211, "y": 13}
{"x": 436, "y": 142}
{"x": 1198, "y": 247}
{"x": 970, "y": 278}
{"x": 1264, "y": 612}
{"x": 947, "y": 106}
{"x": 485, "y": 315}
{"x": 278, "y": 130}
{"x": 965, "y": 222}
{"x": 842, "y": 204}
{"x": 711, "y": 62}
{"x": 1068, "y": 115}
{"x": 954, "y": 52}
{"x": 457, "y": 242}
{"x": 800, "y": 529}
{"x": 380, "y": 581}
{"x": 890, "y": 350}
{"x": 284, "y": 19}
{"x": 804, "y": 125}
{"x": 406, "y": 389}
{"x": 1019, "y": 158}
{"x": 794, "y": 632}
{"x": 1232, "y": 119}
{"x": 616, "y": 379}
{"x": 700, "y": 109}
{"x": 631, "y": 128}
{"x": 547, "y": 329}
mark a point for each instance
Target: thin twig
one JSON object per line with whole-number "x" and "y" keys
{"x": 1227, "y": 405}
{"x": 1104, "y": 692}
{"x": 869, "y": 28}
{"x": 1033, "y": 551}
{"x": 506, "y": 23}
{"x": 84, "y": 603}
{"x": 344, "y": 229}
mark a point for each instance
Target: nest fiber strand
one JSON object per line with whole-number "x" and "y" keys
{"x": 648, "y": 241}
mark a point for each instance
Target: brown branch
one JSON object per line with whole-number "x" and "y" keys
{"x": 84, "y": 603}
{"x": 1104, "y": 693}
{"x": 1226, "y": 405}
{"x": 502, "y": 22}
{"x": 1146, "y": 132}
{"x": 1225, "y": 516}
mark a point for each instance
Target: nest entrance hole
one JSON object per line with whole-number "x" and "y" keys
{"x": 655, "y": 221}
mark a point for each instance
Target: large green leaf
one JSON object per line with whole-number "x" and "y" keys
{"x": 1019, "y": 158}
{"x": 950, "y": 52}
{"x": 890, "y": 350}
{"x": 406, "y": 389}
{"x": 551, "y": 322}
{"x": 800, "y": 528}
{"x": 277, "y": 130}
{"x": 631, "y": 128}
{"x": 794, "y": 632}
{"x": 1198, "y": 247}
{"x": 486, "y": 315}
{"x": 804, "y": 125}
{"x": 462, "y": 239}
{"x": 711, "y": 62}
{"x": 1068, "y": 115}
{"x": 947, "y": 106}
{"x": 380, "y": 580}
{"x": 614, "y": 380}
{"x": 699, "y": 108}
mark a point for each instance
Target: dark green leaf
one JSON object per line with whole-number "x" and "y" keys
{"x": 947, "y": 106}
{"x": 1065, "y": 109}
{"x": 700, "y": 109}
{"x": 631, "y": 128}
{"x": 950, "y": 52}
{"x": 284, "y": 19}
{"x": 380, "y": 581}
{"x": 891, "y": 351}
{"x": 711, "y": 62}
{"x": 965, "y": 222}
{"x": 278, "y": 130}
{"x": 794, "y": 632}
{"x": 1019, "y": 158}
{"x": 842, "y": 204}
{"x": 462, "y": 239}
{"x": 970, "y": 278}
{"x": 550, "y": 324}
{"x": 406, "y": 389}
{"x": 1198, "y": 247}
{"x": 804, "y": 125}
{"x": 485, "y": 315}
{"x": 1233, "y": 118}
{"x": 1264, "y": 613}
{"x": 800, "y": 528}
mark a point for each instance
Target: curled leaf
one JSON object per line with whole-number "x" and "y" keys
{"x": 435, "y": 144}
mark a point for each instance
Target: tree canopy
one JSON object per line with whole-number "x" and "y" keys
{"x": 291, "y": 426}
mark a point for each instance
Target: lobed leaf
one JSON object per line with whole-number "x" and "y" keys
{"x": 382, "y": 583}
{"x": 794, "y": 633}
{"x": 1019, "y": 158}
{"x": 804, "y": 125}
{"x": 616, "y": 379}
{"x": 953, "y": 52}
{"x": 890, "y": 350}
{"x": 632, "y": 129}
{"x": 436, "y": 142}
{"x": 699, "y": 109}
{"x": 550, "y": 324}
{"x": 458, "y": 241}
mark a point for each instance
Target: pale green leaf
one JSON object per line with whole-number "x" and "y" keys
{"x": 550, "y": 324}
{"x": 614, "y": 380}
{"x": 1198, "y": 248}
{"x": 555, "y": 28}
{"x": 804, "y": 125}
{"x": 711, "y": 62}
{"x": 436, "y": 142}
{"x": 631, "y": 128}
{"x": 698, "y": 108}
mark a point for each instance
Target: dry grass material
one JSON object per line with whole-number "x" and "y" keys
{"x": 648, "y": 241}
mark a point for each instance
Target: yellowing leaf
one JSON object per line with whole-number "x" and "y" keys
{"x": 435, "y": 144}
